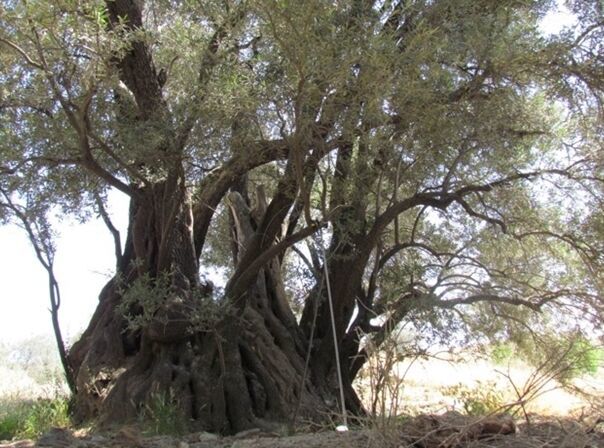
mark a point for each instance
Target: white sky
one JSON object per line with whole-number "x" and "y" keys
{"x": 84, "y": 262}
{"x": 558, "y": 19}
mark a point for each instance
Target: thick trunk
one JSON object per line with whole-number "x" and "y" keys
{"x": 226, "y": 363}
{"x": 322, "y": 361}
{"x": 224, "y": 368}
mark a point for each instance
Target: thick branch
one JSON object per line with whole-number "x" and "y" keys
{"x": 238, "y": 285}
{"x": 137, "y": 69}
{"x": 214, "y": 186}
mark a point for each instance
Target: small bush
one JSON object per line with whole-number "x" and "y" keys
{"x": 566, "y": 356}
{"x": 10, "y": 423}
{"x": 481, "y": 399}
{"x": 162, "y": 415}
{"x": 502, "y": 353}
{"x": 29, "y": 420}
{"x": 587, "y": 358}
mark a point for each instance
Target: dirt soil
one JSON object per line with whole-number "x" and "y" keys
{"x": 450, "y": 430}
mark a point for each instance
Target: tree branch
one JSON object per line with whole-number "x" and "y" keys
{"x": 137, "y": 69}
{"x": 117, "y": 242}
{"x": 23, "y": 53}
{"x": 239, "y": 284}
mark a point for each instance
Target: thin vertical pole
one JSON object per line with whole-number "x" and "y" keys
{"x": 335, "y": 339}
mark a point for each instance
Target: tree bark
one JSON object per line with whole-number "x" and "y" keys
{"x": 240, "y": 370}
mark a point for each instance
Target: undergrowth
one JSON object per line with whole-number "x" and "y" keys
{"x": 483, "y": 398}
{"x": 162, "y": 416}
{"x": 21, "y": 419}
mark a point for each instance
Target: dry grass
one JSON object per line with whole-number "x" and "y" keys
{"x": 421, "y": 391}
{"x": 425, "y": 385}
{"x": 460, "y": 432}
{"x": 450, "y": 403}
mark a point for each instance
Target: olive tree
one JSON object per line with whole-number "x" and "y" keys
{"x": 419, "y": 157}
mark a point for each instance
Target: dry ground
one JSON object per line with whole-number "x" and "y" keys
{"x": 422, "y": 432}
{"x": 558, "y": 419}
{"x": 430, "y": 385}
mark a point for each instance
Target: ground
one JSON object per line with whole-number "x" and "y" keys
{"x": 431, "y": 393}
{"x": 452, "y": 431}
{"x": 433, "y": 385}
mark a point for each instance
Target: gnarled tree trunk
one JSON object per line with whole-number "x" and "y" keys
{"x": 241, "y": 367}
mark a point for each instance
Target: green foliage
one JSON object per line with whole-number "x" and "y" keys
{"x": 142, "y": 298}
{"x": 10, "y": 421}
{"x": 162, "y": 415}
{"x": 483, "y": 398}
{"x": 586, "y": 358}
{"x": 45, "y": 414}
{"x": 502, "y": 353}
{"x": 29, "y": 420}
{"x": 567, "y": 355}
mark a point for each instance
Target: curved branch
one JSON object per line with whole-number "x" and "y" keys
{"x": 442, "y": 200}
{"x": 111, "y": 153}
{"x": 470, "y": 211}
{"x": 486, "y": 297}
{"x": 214, "y": 186}
{"x": 114, "y": 232}
{"x": 23, "y": 53}
{"x": 402, "y": 246}
{"x": 91, "y": 164}
{"x": 45, "y": 254}
{"x": 239, "y": 284}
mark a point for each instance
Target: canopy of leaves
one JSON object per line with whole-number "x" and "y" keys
{"x": 453, "y": 148}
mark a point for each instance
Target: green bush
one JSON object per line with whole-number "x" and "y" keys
{"x": 162, "y": 415}
{"x": 480, "y": 399}
{"x": 29, "y": 420}
{"x": 502, "y": 353}
{"x": 586, "y": 357}
{"x": 566, "y": 356}
{"x": 10, "y": 423}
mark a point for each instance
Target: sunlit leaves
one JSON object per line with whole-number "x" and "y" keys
{"x": 398, "y": 99}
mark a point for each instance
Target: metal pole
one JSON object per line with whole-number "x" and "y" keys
{"x": 344, "y": 427}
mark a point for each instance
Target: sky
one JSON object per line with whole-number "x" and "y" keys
{"x": 84, "y": 263}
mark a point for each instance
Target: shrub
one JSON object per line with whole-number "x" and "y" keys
{"x": 481, "y": 399}
{"x": 29, "y": 420}
{"x": 502, "y": 353}
{"x": 162, "y": 415}
{"x": 586, "y": 357}
{"x": 45, "y": 414}
{"x": 10, "y": 421}
{"x": 566, "y": 356}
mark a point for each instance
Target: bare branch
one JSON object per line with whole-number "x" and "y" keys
{"x": 23, "y": 53}
{"x": 114, "y": 232}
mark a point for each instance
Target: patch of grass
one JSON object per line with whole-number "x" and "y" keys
{"x": 29, "y": 419}
{"x": 162, "y": 416}
{"x": 10, "y": 421}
